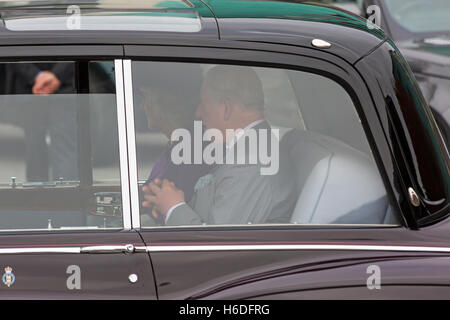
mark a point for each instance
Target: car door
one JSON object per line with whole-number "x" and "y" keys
{"x": 65, "y": 230}
{"x": 350, "y": 228}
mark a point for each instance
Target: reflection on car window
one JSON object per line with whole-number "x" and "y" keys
{"x": 58, "y": 134}
{"x": 237, "y": 145}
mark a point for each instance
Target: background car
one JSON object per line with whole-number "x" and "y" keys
{"x": 421, "y": 30}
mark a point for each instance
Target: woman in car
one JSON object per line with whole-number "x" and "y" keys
{"x": 171, "y": 95}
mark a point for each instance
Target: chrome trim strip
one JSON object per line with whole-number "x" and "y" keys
{"x": 124, "y": 182}
{"x": 87, "y": 249}
{"x": 215, "y": 227}
{"x": 40, "y": 250}
{"x": 267, "y": 226}
{"x": 87, "y": 228}
{"x": 140, "y": 249}
{"x": 292, "y": 247}
{"x": 131, "y": 140}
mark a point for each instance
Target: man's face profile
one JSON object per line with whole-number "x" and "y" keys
{"x": 152, "y": 112}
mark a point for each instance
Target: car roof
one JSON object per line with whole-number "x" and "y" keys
{"x": 117, "y": 21}
{"x": 296, "y": 23}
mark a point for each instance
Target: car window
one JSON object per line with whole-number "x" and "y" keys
{"x": 240, "y": 145}
{"x": 58, "y": 135}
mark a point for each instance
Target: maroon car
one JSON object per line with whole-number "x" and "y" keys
{"x": 215, "y": 149}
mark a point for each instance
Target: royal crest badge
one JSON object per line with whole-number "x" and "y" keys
{"x": 8, "y": 278}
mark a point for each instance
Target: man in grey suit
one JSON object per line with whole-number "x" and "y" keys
{"x": 234, "y": 192}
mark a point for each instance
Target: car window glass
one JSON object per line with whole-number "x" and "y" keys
{"x": 58, "y": 135}
{"x": 238, "y": 145}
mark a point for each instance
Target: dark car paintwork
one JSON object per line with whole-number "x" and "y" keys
{"x": 367, "y": 71}
{"x": 427, "y": 174}
{"x": 273, "y": 274}
{"x": 103, "y": 276}
{"x": 430, "y": 64}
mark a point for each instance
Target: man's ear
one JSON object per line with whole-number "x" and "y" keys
{"x": 227, "y": 109}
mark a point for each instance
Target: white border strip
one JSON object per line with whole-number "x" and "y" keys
{"x": 124, "y": 181}
{"x": 292, "y": 247}
{"x": 131, "y": 141}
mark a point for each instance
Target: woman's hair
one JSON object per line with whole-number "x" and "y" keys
{"x": 173, "y": 88}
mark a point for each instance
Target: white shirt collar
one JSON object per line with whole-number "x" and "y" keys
{"x": 254, "y": 124}
{"x": 240, "y": 132}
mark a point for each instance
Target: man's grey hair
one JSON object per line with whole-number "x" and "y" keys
{"x": 236, "y": 83}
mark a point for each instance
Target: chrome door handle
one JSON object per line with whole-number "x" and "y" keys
{"x": 128, "y": 248}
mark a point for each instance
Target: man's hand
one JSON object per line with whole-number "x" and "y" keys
{"x": 162, "y": 195}
{"x": 46, "y": 83}
{"x": 147, "y": 204}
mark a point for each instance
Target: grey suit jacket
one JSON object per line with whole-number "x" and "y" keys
{"x": 240, "y": 194}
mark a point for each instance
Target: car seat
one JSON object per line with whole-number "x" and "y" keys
{"x": 336, "y": 183}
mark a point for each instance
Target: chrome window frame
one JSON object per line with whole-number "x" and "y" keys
{"x": 134, "y": 214}
{"x": 132, "y": 154}
{"x": 123, "y": 145}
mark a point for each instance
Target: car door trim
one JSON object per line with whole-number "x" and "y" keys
{"x": 197, "y": 248}
{"x": 131, "y": 142}
{"x": 123, "y": 153}
{"x": 40, "y": 250}
{"x": 171, "y": 248}
{"x": 129, "y": 248}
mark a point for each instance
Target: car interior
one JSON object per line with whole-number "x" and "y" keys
{"x": 336, "y": 177}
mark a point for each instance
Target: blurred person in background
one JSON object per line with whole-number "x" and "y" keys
{"x": 55, "y": 117}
